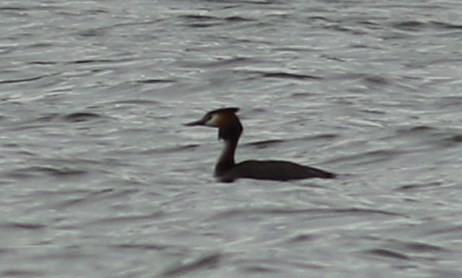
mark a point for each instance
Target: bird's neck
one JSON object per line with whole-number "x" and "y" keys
{"x": 226, "y": 159}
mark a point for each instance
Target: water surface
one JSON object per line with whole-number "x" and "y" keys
{"x": 99, "y": 178}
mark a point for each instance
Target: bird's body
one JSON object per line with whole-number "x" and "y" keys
{"x": 226, "y": 170}
{"x": 272, "y": 170}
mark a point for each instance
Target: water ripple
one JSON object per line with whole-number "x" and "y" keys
{"x": 309, "y": 212}
{"x": 81, "y": 117}
{"x": 389, "y": 254}
{"x": 194, "y": 264}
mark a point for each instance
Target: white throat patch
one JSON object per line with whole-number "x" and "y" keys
{"x": 213, "y": 121}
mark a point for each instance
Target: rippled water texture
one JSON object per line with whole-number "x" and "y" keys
{"x": 98, "y": 178}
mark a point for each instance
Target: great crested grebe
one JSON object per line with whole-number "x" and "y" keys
{"x": 226, "y": 170}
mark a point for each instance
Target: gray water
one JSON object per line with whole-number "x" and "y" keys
{"x": 98, "y": 178}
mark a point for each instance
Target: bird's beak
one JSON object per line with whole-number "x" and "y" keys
{"x": 199, "y": 122}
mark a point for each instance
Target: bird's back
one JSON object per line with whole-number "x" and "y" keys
{"x": 273, "y": 170}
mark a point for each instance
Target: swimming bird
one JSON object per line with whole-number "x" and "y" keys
{"x": 226, "y": 170}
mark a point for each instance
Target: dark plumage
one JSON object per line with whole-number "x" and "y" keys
{"x": 226, "y": 170}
